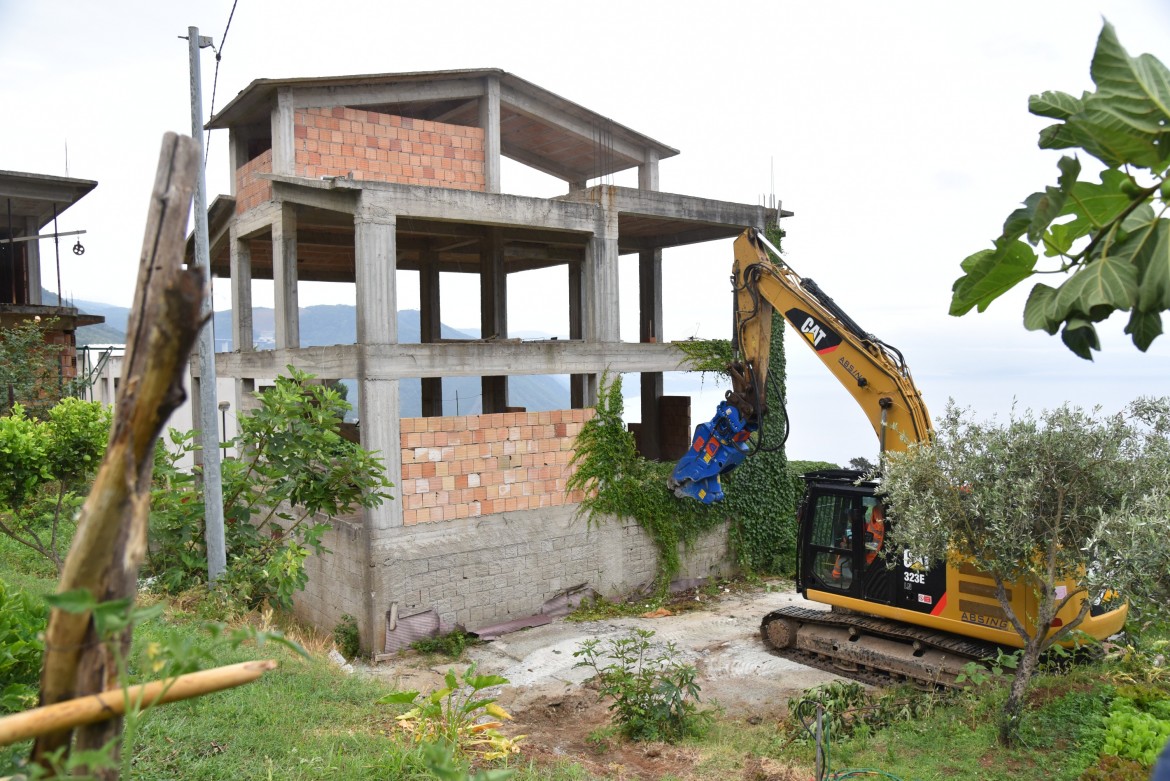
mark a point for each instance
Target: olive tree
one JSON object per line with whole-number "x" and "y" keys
{"x": 1069, "y": 504}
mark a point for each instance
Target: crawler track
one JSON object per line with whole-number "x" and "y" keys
{"x": 871, "y": 650}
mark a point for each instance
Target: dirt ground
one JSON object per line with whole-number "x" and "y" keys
{"x": 552, "y": 705}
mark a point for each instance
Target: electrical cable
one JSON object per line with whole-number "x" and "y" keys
{"x": 824, "y": 746}
{"x": 215, "y": 78}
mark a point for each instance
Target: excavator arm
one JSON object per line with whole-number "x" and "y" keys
{"x": 873, "y": 372}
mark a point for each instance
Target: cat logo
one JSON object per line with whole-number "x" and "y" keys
{"x": 822, "y": 338}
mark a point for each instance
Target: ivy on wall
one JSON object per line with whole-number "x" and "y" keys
{"x": 761, "y": 495}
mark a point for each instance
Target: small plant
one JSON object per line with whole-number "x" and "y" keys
{"x": 1137, "y": 730}
{"x": 454, "y": 716}
{"x": 599, "y": 608}
{"x": 452, "y": 644}
{"x": 990, "y": 669}
{"x": 654, "y": 696}
{"x": 22, "y": 620}
{"x": 849, "y": 710}
{"x": 346, "y": 636}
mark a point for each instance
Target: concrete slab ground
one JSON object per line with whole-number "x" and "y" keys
{"x": 720, "y": 637}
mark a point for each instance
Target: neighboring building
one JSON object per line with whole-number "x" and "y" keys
{"x": 29, "y": 203}
{"x": 354, "y": 178}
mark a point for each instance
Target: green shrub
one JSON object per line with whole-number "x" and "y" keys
{"x": 451, "y": 644}
{"x": 295, "y": 470}
{"x": 22, "y": 620}
{"x": 654, "y": 696}
{"x": 347, "y": 637}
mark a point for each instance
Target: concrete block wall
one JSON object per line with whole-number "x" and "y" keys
{"x": 252, "y": 191}
{"x": 337, "y": 579}
{"x": 368, "y": 145}
{"x": 480, "y": 571}
{"x": 475, "y": 465}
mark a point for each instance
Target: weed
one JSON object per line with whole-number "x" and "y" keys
{"x": 654, "y": 696}
{"x": 599, "y": 608}
{"x": 452, "y": 716}
{"x": 452, "y": 645}
{"x": 346, "y": 636}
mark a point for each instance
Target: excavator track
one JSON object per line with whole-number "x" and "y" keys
{"x": 869, "y": 649}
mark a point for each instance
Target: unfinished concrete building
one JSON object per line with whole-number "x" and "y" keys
{"x": 360, "y": 178}
{"x": 28, "y": 204}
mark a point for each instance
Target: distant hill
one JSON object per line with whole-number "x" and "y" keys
{"x": 326, "y": 325}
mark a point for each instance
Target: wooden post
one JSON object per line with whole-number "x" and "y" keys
{"x": 93, "y": 708}
{"x": 110, "y": 542}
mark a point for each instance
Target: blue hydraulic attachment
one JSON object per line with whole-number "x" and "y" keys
{"x": 718, "y": 447}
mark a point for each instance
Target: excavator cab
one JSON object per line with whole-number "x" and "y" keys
{"x": 842, "y": 548}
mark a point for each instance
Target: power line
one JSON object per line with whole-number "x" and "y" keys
{"x": 215, "y": 78}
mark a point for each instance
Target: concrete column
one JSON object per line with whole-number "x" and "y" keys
{"x": 243, "y": 336}
{"x": 430, "y": 327}
{"x": 578, "y": 186}
{"x": 650, "y": 330}
{"x": 600, "y": 281}
{"x": 493, "y": 307}
{"x": 375, "y": 267}
{"x": 237, "y": 153}
{"x": 576, "y": 330}
{"x": 648, "y": 172}
{"x": 283, "y": 143}
{"x": 284, "y": 278}
{"x": 32, "y": 255}
{"x": 489, "y": 120}
{"x": 375, "y": 264}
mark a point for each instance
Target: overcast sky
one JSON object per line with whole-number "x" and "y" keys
{"x": 897, "y": 132}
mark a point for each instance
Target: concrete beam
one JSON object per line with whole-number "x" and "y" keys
{"x": 672, "y": 206}
{"x": 456, "y": 359}
{"x": 319, "y": 195}
{"x": 258, "y": 221}
{"x": 440, "y": 203}
{"x": 284, "y": 278}
{"x": 384, "y": 94}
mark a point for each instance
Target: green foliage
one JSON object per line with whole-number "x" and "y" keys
{"x": 1058, "y": 504}
{"x": 22, "y": 620}
{"x": 617, "y": 481}
{"x": 347, "y": 637}
{"x": 760, "y": 501}
{"x": 452, "y": 644}
{"x": 296, "y": 472}
{"x": 1137, "y": 730}
{"x": 599, "y": 608}
{"x": 850, "y": 710}
{"x": 453, "y": 717}
{"x": 1112, "y": 238}
{"x": 45, "y": 468}
{"x": 30, "y": 368}
{"x": 654, "y": 696}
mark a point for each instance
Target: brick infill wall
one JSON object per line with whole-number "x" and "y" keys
{"x": 250, "y": 190}
{"x": 473, "y": 465}
{"x": 370, "y": 146}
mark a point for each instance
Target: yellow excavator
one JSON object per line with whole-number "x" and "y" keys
{"x": 892, "y": 616}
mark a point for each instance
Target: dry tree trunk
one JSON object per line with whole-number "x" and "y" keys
{"x": 111, "y": 533}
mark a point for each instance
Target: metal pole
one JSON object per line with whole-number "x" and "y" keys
{"x": 209, "y": 430}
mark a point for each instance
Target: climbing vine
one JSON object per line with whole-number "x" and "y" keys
{"x": 618, "y": 482}
{"x": 761, "y": 496}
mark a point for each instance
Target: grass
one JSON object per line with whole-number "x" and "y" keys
{"x": 308, "y": 720}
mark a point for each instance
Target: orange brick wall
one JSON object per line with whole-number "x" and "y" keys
{"x": 251, "y": 191}
{"x": 460, "y": 467}
{"x": 340, "y": 141}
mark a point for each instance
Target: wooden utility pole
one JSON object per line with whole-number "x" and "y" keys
{"x": 110, "y": 542}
